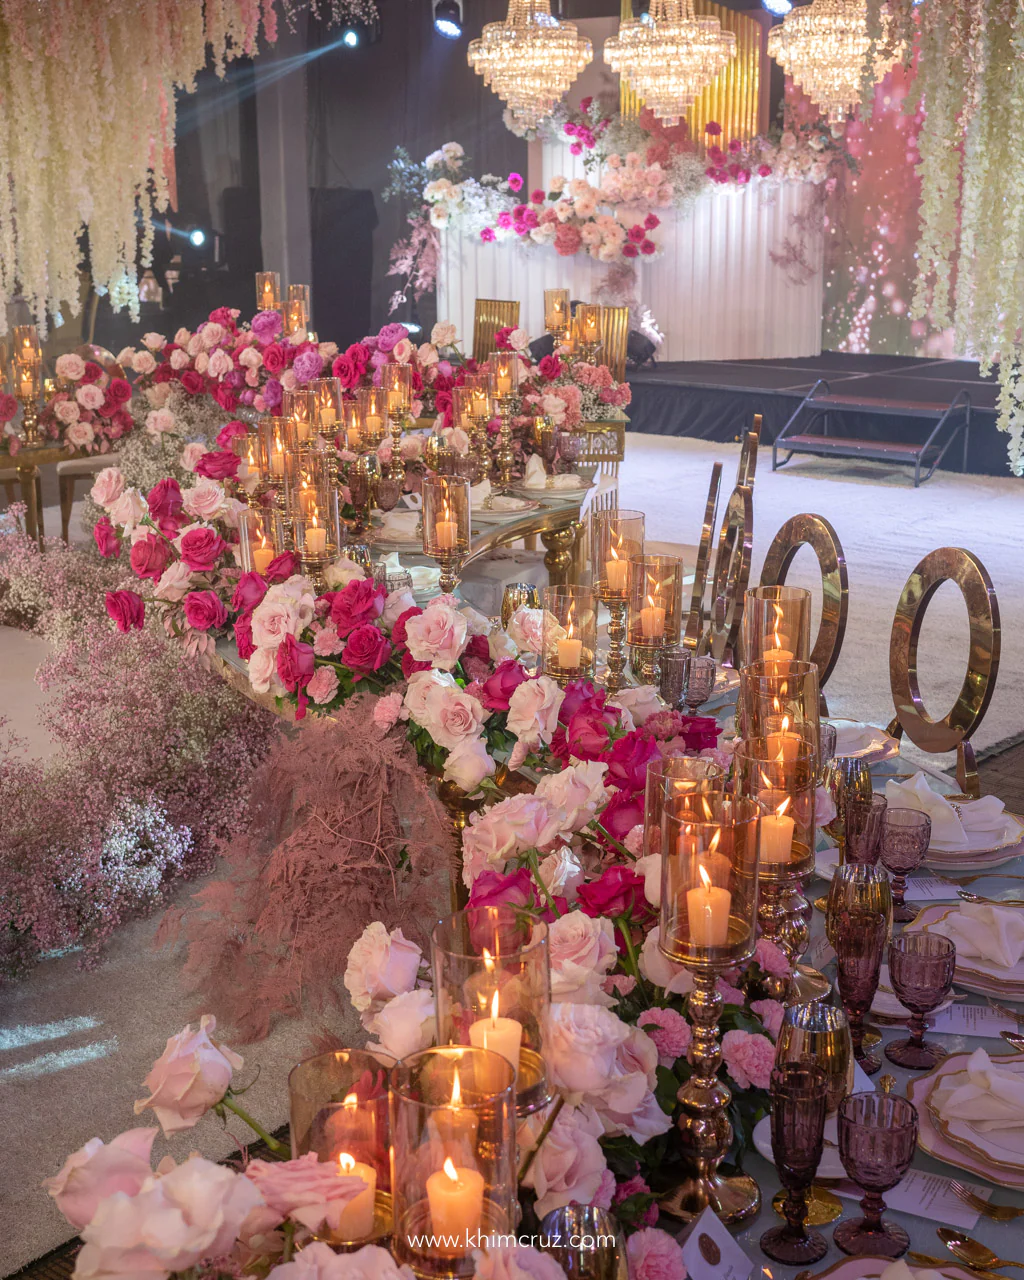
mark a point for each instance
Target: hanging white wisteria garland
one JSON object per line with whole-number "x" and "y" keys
{"x": 87, "y": 131}
{"x": 970, "y": 75}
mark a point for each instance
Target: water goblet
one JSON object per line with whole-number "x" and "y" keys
{"x": 826, "y": 743}
{"x": 859, "y": 942}
{"x": 674, "y": 669}
{"x": 799, "y": 1102}
{"x": 877, "y": 1140}
{"x": 844, "y": 777}
{"x": 906, "y": 835}
{"x": 569, "y": 449}
{"x": 701, "y": 682}
{"x": 387, "y": 493}
{"x": 857, "y": 885}
{"x": 469, "y": 467}
{"x": 862, "y": 822}
{"x": 921, "y": 969}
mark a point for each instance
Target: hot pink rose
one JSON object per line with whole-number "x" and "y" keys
{"x": 283, "y": 567}
{"x": 549, "y": 368}
{"x": 218, "y": 465}
{"x": 367, "y": 649}
{"x": 190, "y": 1076}
{"x": 107, "y": 542}
{"x": 493, "y": 889}
{"x": 126, "y": 609}
{"x": 192, "y": 382}
{"x": 621, "y": 814}
{"x": 243, "y": 635}
{"x": 308, "y": 1190}
{"x": 119, "y": 391}
{"x": 295, "y": 663}
{"x": 164, "y": 499}
{"x": 98, "y": 1170}
{"x": 230, "y": 431}
{"x": 202, "y": 548}
{"x": 274, "y": 358}
{"x": 361, "y": 601}
{"x": 498, "y": 688}
{"x": 587, "y": 732}
{"x": 628, "y": 760}
{"x": 619, "y": 891}
{"x": 150, "y": 556}
{"x": 249, "y": 591}
{"x": 8, "y": 406}
{"x": 398, "y": 629}
{"x": 204, "y": 610}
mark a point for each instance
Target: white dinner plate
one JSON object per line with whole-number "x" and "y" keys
{"x": 1005, "y": 1145}
{"x": 955, "y": 1143}
{"x": 972, "y": 970}
{"x": 878, "y": 747}
{"x": 872, "y": 1268}
{"x": 831, "y": 1166}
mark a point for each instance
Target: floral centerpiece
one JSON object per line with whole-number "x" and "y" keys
{"x": 436, "y": 366}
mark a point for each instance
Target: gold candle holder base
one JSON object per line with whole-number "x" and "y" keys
{"x": 314, "y": 567}
{"x": 506, "y": 457}
{"x": 616, "y": 677}
{"x": 643, "y": 659}
{"x": 31, "y": 436}
{"x": 451, "y": 563}
{"x": 822, "y": 1206}
{"x": 704, "y": 1127}
{"x": 380, "y": 1232}
{"x": 396, "y": 467}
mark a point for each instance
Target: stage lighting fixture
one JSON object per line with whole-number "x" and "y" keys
{"x": 448, "y": 18}
{"x": 197, "y": 237}
{"x": 778, "y": 7}
{"x": 350, "y": 37}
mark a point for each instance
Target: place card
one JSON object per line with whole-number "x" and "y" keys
{"x": 926, "y": 1195}
{"x": 928, "y": 890}
{"x": 862, "y": 1082}
{"x": 973, "y": 1020}
{"x": 711, "y": 1253}
{"x": 820, "y": 953}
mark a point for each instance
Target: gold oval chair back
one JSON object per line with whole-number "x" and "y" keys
{"x": 695, "y": 639}
{"x": 732, "y": 573}
{"x": 953, "y": 731}
{"x": 815, "y": 532}
{"x": 490, "y": 315}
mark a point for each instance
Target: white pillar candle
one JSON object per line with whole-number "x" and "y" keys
{"x": 328, "y": 417}
{"x": 707, "y": 910}
{"x": 356, "y": 1221}
{"x": 456, "y": 1199}
{"x": 616, "y": 573}
{"x": 569, "y": 653}
{"x": 776, "y": 842}
{"x": 261, "y": 558}
{"x": 503, "y": 1035}
{"x": 652, "y": 621}
{"x": 316, "y": 541}
{"x": 373, "y": 422}
{"x": 784, "y": 746}
{"x": 446, "y": 533}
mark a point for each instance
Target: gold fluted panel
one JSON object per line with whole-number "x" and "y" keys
{"x": 732, "y": 99}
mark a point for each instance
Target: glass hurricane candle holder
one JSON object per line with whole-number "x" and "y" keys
{"x": 506, "y": 368}
{"x": 587, "y": 329}
{"x": 268, "y": 291}
{"x": 493, "y": 987}
{"x": 328, "y": 398}
{"x": 256, "y": 540}
{"x": 708, "y": 913}
{"x": 396, "y": 379}
{"x": 296, "y": 316}
{"x": 28, "y": 387}
{"x": 668, "y": 777}
{"x": 616, "y": 536}
{"x": 780, "y": 706}
{"x": 351, "y": 425}
{"x": 655, "y": 592}
{"x": 777, "y": 626}
{"x": 272, "y": 438}
{"x": 299, "y": 406}
{"x": 25, "y": 345}
{"x": 446, "y": 524}
{"x": 453, "y": 1157}
{"x": 301, "y": 293}
{"x": 568, "y": 633}
{"x": 373, "y": 410}
{"x": 339, "y": 1109}
{"x": 556, "y": 312}
{"x": 315, "y": 546}
{"x": 481, "y": 383}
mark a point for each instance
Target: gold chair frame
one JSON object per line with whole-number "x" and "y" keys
{"x": 490, "y": 315}
{"x": 746, "y": 468}
{"x": 953, "y": 731}
{"x": 695, "y": 629}
{"x": 815, "y": 532}
{"x": 732, "y": 573}
{"x": 614, "y": 340}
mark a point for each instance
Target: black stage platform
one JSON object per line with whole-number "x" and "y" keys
{"x": 716, "y": 400}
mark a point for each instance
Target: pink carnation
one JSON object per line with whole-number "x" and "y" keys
{"x": 748, "y": 1059}
{"x": 386, "y": 711}
{"x": 670, "y": 1032}
{"x": 324, "y": 685}
{"x": 772, "y": 959}
{"x": 652, "y": 1254}
{"x": 771, "y": 1013}
{"x": 729, "y": 993}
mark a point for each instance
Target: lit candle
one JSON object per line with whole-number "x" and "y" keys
{"x": 503, "y": 1035}
{"x": 480, "y": 405}
{"x": 373, "y": 423}
{"x": 652, "y": 620}
{"x": 27, "y": 387}
{"x": 590, "y": 325}
{"x": 262, "y": 555}
{"x": 328, "y": 415}
{"x": 616, "y": 572}
{"x": 446, "y": 530}
{"x": 277, "y": 457}
{"x": 784, "y": 746}
{"x": 456, "y": 1199}
{"x": 396, "y": 401}
{"x": 316, "y": 539}
{"x": 503, "y": 379}
{"x": 776, "y": 828}
{"x": 356, "y": 1221}
{"x": 454, "y": 1126}
{"x": 707, "y": 909}
{"x": 779, "y": 660}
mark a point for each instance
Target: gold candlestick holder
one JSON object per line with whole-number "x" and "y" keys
{"x": 396, "y": 467}
{"x": 616, "y": 677}
{"x": 506, "y": 456}
{"x": 362, "y": 479}
{"x": 505, "y": 373}
{"x": 643, "y": 661}
{"x": 31, "y": 436}
{"x": 616, "y": 536}
{"x": 27, "y": 373}
{"x": 709, "y": 904}
{"x": 396, "y": 381}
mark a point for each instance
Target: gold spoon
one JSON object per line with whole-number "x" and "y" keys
{"x": 971, "y": 1251}
{"x": 1014, "y": 1040}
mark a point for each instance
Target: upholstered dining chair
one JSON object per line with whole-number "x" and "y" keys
{"x": 614, "y": 339}
{"x": 953, "y": 731}
{"x": 490, "y": 315}
{"x": 68, "y": 475}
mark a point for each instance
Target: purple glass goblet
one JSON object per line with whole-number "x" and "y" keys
{"x": 877, "y": 1140}
{"x": 860, "y": 937}
{"x": 799, "y": 1102}
{"x": 921, "y": 969}
{"x": 863, "y": 827}
{"x": 387, "y": 492}
{"x": 906, "y": 835}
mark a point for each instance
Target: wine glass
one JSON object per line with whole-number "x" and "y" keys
{"x": 921, "y": 969}
{"x": 826, "y": 743}
{"x": 906, "y": 835}
{"x": 862, "y": 823}
{"x": 859, "y": 942}
{"x": 843, "y": 778}
{"x": 798, "y": 1101}
{"x": 877, "y": 1140}
{"x": 387, "y": 492}
{"x": 701, "y": 682}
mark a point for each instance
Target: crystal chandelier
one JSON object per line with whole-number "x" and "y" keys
{"x": 822, "y": 47}
{"x": 669, "y": 58}
{"x": 530, "y": 59}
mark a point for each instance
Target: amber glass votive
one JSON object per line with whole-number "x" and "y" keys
{"x": 587, "y": 323}
{"x": 777, "y": 626}
{"x": 352, "y": 425}
{"x": 445, "y": 515}
{"x": 709, "y": 879}
{"x": 373, "y": 408}
{"x": 783, "y": 789}
{"x": 505, "y": 370}
{"x": 616, "y": 537}
{"x": 256, "y": 539}
{"x": 493, "y": 986}
{"x": 655, "y": 600}
{"x": 556, "y": 310}
{"x": 667, "y": 778}
{"x": 339, "y": 1109}
{"x": 453, "y": 1157}
{"x": 27, "y": 379}
{"x": 268, "y": 290}
{"x": 782, "y": 707}
{"x": 568, "y": 632}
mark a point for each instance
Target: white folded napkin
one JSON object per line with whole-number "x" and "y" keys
{"x": 401, "y": 525}
{"x": 986, "y": 1096}
{"x": 984, "y": 817}
{"x": 424, "y": 577}
{"x": 995, "y": 934}
{"x": 851, "y": 738}
{"x": 947, "y": 830}
{"x": 391, "y": 562}
{"x": 479, "y": 493}
{"x": 900, "y": 1271}
{"x": 501, "y": 502}
{"x": 567, "y": 480}
{"x": 535, "y": 476}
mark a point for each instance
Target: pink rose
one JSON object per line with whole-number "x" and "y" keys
{"x": 205, "y": 500}
{"x": 107, "y": 487}
{"x": 619, "y": 892}
{"x": 204, "y": 610}
{"x": 629, "y": 758}
{"x": 581, "y": 1044}
{"x": 652, "y": 1254}
{"x": 164, "y": 499}
{"x": 771, "y": 1013}
{"x": 450, "y": 714}
{"x": 126, "y": 609}
{"x": 570, "y": 1164}
{"x": 201, "y": 548}
{"x": 493, "y": 889}
{"x": 367, "y": 649}
{"x": 249, "y": 591}
{"x": 175, "y": 582}
{"x": 525, "y": 628}
{"x": 190, "y": 455}
{"x": 295, "y": 663}
{"x": 748, "y": 1059}
{"x": 380, "y": 965}
{"x": 582, "y": 950}
{"x": 670, "y": 1032}
{"x": 575, "y": 793}
{"x": 506, "y": 829}
{"x": 386, "y": 711}
{"x": 468, "y": 763}
{"x": 498, "y": 688}
{"x": 515, "y": 1262}
{"x": 533, "y": 710}
{"x": 150, "y": 556}
{"x": 89, "y": 396}
{"x": 360, "y": 602}
{"x": 70, "y": 366}
{"x": 437, "y": 635}
{"x": 190, "y": 1076}
{"x": 108, "y": 544}
{"x": 307, "y": 1190}
{"x": 98, "y": 1170}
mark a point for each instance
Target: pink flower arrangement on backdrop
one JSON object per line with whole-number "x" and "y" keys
{"x": 91, "y": 410}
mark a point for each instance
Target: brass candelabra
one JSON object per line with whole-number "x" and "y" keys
{"x": 396, "y": 467}
{"x": 616, "y": 676}
{"x": 506, "y": 456}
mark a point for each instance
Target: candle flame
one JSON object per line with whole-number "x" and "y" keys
{"x": 456, "y": 1088}
{"x": 488, "y": 961}
{"x": 346, "y": 1163}
{"x": 778, "y": 619}
{"x": 705, "y": 878}
{"x": 350, "y": 1100}
{"x": 569, "y": 620}
{"x": 785, "y": 724}
{"x": 615, "y": 554}
{"x": 263, "y": 541}
{"x": 715, "y": 839}
{"x": 315, "y": 521}
{"x": 765, "y": 780}
{"x": 707, "y": 807}
{"x": 783, "y": 807}
{"x": 494, "y": 1008}
{"x": 449, "y": 1168}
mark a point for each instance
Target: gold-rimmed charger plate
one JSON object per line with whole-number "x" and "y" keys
{"x": 1013, "y": 837}
{"x": 993, "y": 979}
{"x": 996, "y": 1163}
{"x": 868, "y": 1267}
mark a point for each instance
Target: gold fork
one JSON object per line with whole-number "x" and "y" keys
{"x": 997, "y": 1212}
{"x": 1006, "y": 1011}
{"x": 966, "y": 880}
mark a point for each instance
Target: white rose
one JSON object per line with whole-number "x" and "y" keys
{"x": 206, "y": 500}
{"x": 380, "y": 965}
{"x": 406, "y": 1024}
{"x": 468, "y": 764}
{"x": 263, "y": 672}
{"x": 500, "y": 645}
{"x": 397, "y": 603}
{"x": 581, "y": 1043}
{"x": 518, "y": 339}
{"x": 342, "y": 572}
{"x": 562, "y": 873}
{"x": 450, "y": 714}
{"x": 577, "y": 792}
{"x": 526, "y": 629}
{"x": 478, "y": 624}
{"x": 533, "y": 710}
{"x": 656, "y": 967}
{"x": 418, "y": 688}
{"x": 250, "y": 358}
{"x": 175, "y": 582}
{"x": 582, "y": 950}
{"x": 650, "y": 868}
{"x": 143, "y": 362}
{"x": 107, "y": 487}
{"x": 154, "y": 341}
{"x": 642, "y": 702}
{"x": 443, "y": 334}
{"x": 182, "y": 338}
{"x": 202, "y": 362}
{"x": 124, "y": 357}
